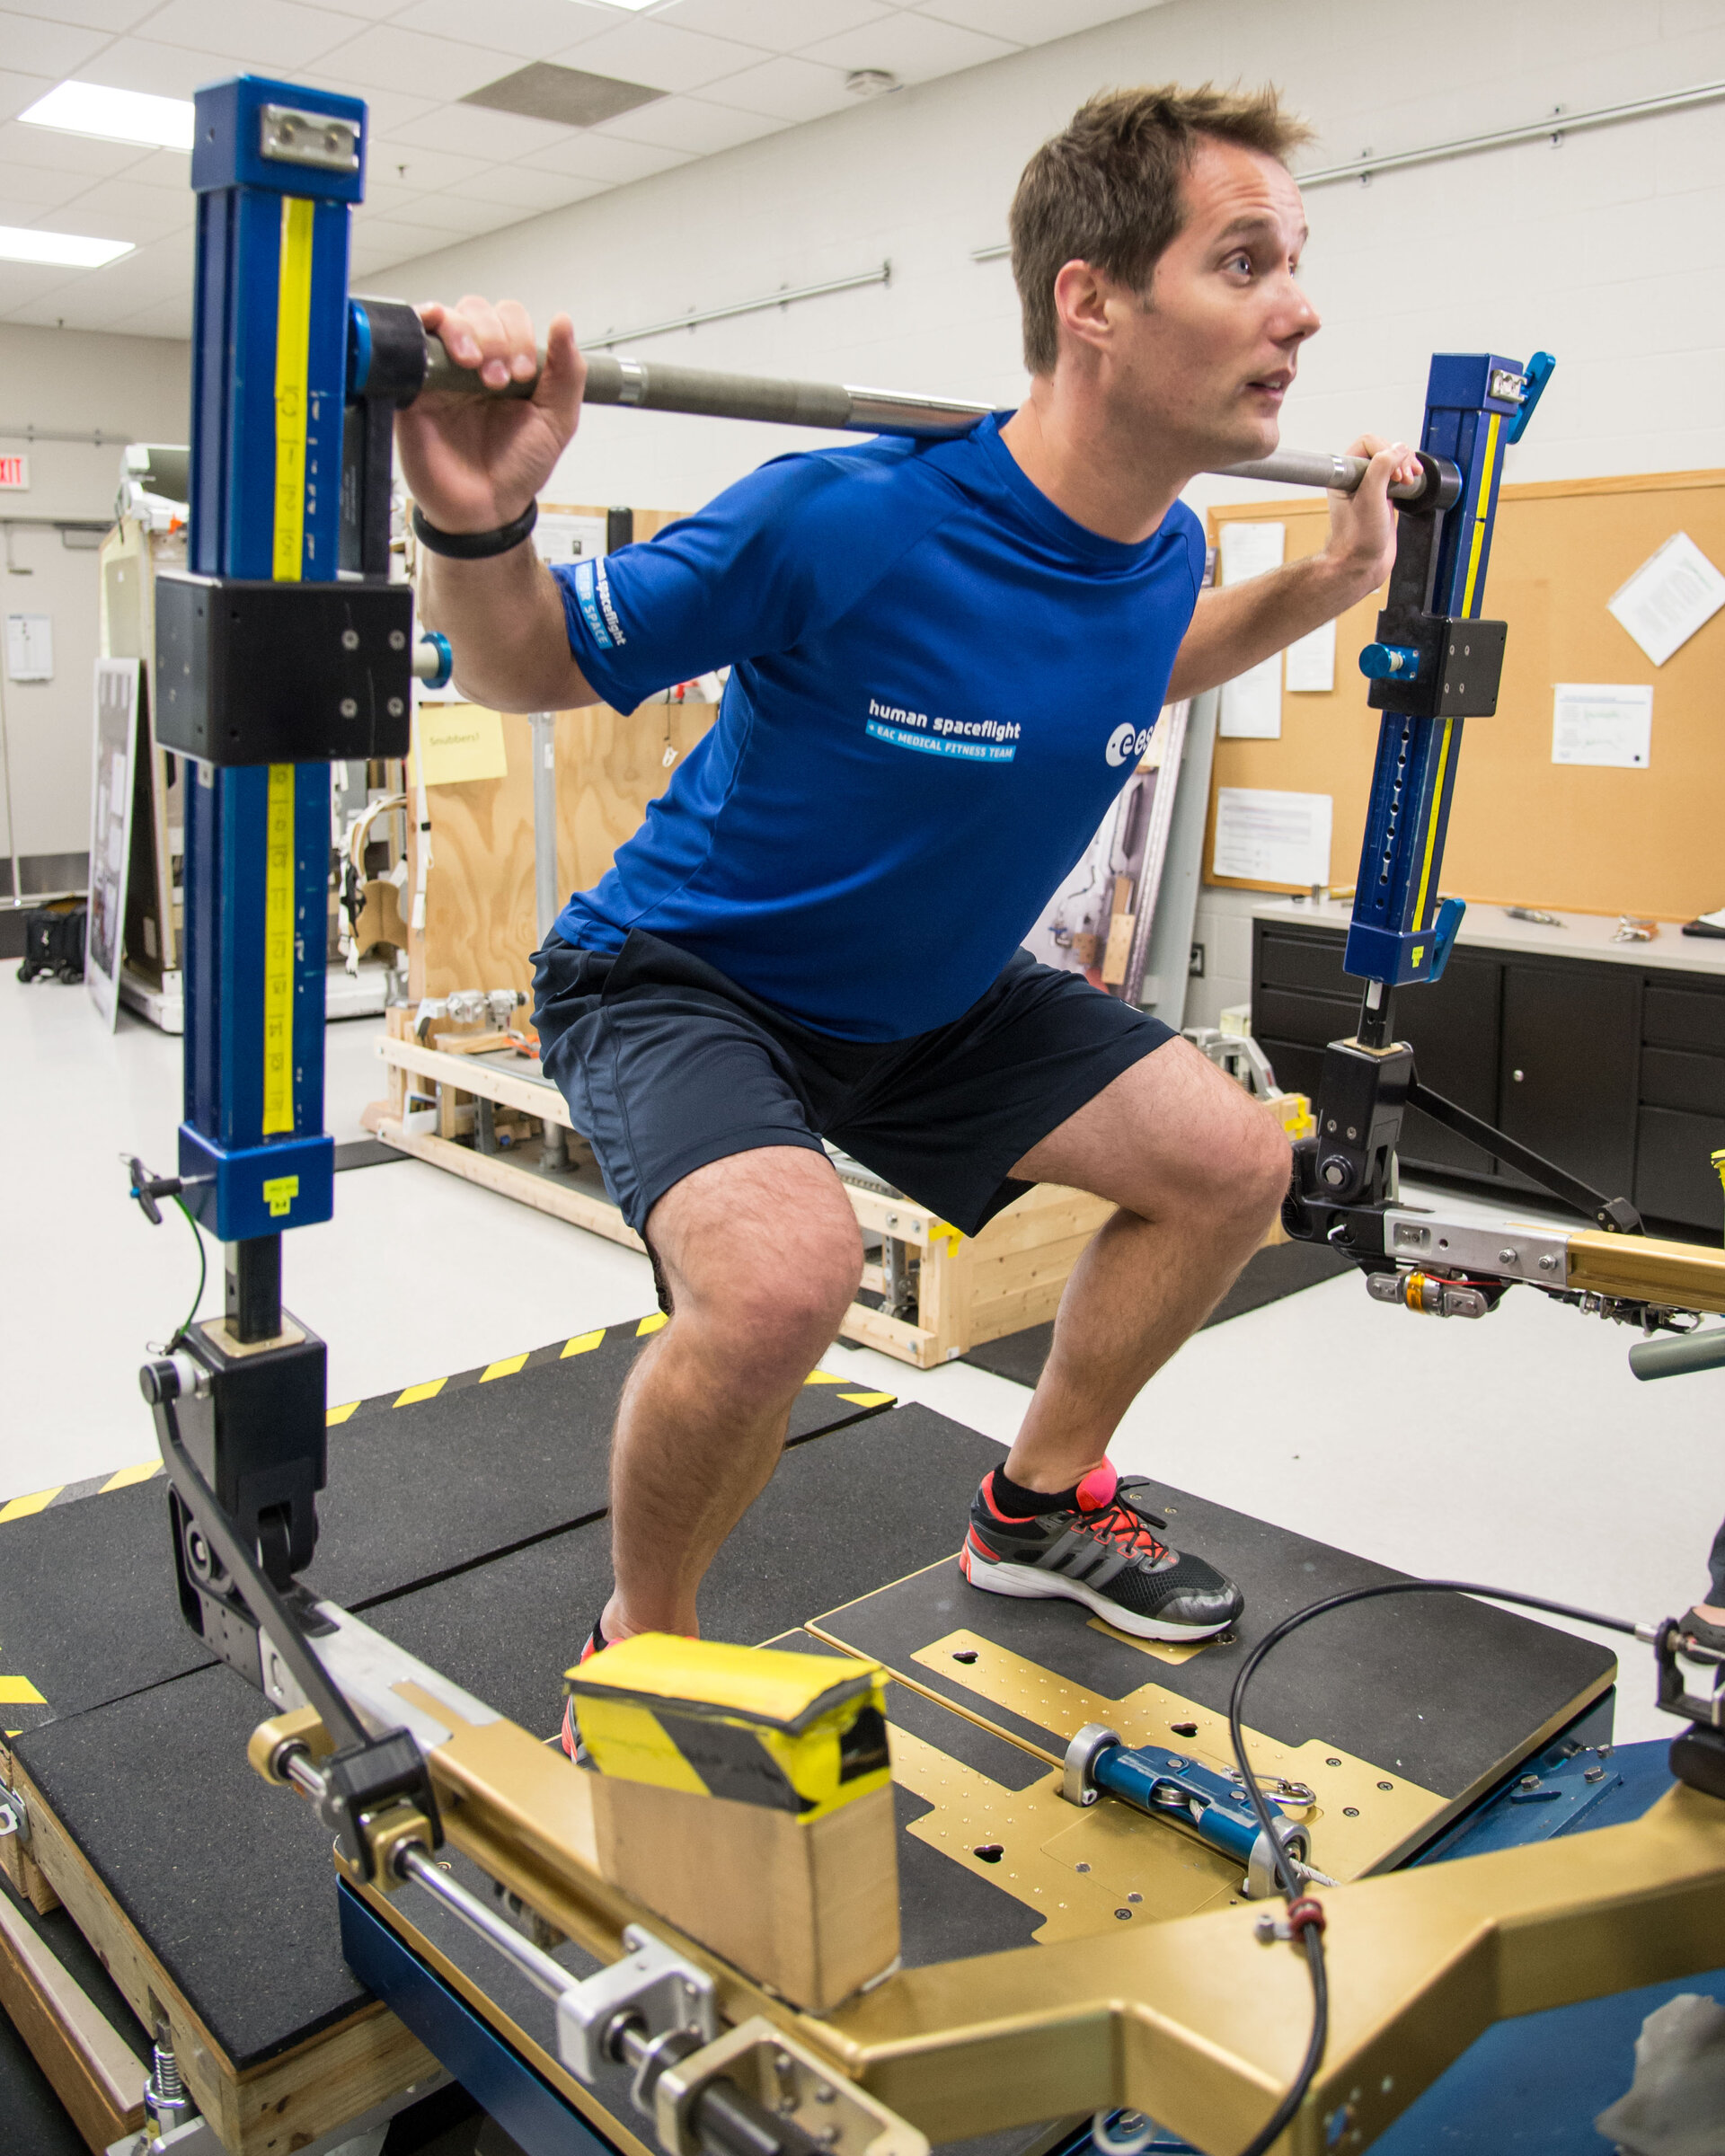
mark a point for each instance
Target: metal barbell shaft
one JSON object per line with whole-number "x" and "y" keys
{"x": 840, "y": 407}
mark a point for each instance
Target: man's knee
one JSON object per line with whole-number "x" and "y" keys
{"x": 763, "y": 1263}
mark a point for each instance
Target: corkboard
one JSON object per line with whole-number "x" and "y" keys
{"x": 1524, "y": 830}
{"x": 481, "y": 927}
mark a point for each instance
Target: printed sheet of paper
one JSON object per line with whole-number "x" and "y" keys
{"x": 1249, "y": 549}
{"x": 461, "y": 742}
{"x": 560, "y": 538}
{"x": 1602, "y": 723}
{"x": 30, "y": 647}
{"x": 1668, "y": 597}
{"x": 1311, "y": 662}
{"x": 1268, "y": 838}
{"x": 1252, "y": 704}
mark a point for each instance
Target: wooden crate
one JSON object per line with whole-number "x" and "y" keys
{"x": 968, "y": 1289}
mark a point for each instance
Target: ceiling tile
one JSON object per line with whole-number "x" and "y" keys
{"x": 691, "y": 123}
{"x": 472, "y": 132}
{"x": 775, "y": 25}
{"x": 117, "y": 209}
{"x": 531, "y": 29}
{"x": 261, "y": 35}
{"x": 111, "y": 16}
{"x": 163, "y": 168}
{"x": 396, "y": 239}
{"x": 166, "y": 318}
{"x": 17, "y": 91}
{"x": 519, "y": 188}
{"x": 425, "y": 167}
{"x": 459, "y": 215}
{"x": 785, "y": 89}
{"x": 22, "y": 283}
{"x": 914, "y": 47}
{"x": 658, "y": 53}
{"x": 141, "y": 64}
{"x": 33, "y": 184}
{"x": 589, "y": 155}
{"x": 56, "y": 153}
{"x": 1032, "y": 21}
{"x": 36, "y": 47}
{"x": 408, "y": 60}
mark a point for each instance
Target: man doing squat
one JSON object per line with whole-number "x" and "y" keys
{"x": 942, "y": 654}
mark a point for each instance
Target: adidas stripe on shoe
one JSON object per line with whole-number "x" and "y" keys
{"x": 1107, "y": 1553}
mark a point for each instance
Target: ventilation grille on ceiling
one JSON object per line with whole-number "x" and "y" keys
{"x": 567, "y": 95}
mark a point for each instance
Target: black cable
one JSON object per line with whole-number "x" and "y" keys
{"x": 1311, "y": 1932}
{"x": 203, "y": 1276}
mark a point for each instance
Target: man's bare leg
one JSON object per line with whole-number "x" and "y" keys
{"x": 762, "y": 1256}
{"x": 1197, "y": 1169}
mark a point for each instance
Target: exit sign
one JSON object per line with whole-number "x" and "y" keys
{"x": 14, "y": 472}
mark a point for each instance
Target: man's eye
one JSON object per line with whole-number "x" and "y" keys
{"x": 1241, "y": 263}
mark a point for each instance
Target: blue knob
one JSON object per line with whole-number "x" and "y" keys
{"x": 1389, "y": 662}
{"x": 433, "y": 662}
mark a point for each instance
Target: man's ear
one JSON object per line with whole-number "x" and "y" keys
{"x": 1080, "y": 299}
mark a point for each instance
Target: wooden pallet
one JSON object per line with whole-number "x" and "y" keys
{"x": 965, "y": 1289}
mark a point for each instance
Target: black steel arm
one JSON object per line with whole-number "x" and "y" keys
{"x": 1616, "y": 1214}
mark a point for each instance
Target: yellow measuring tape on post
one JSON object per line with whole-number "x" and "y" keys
{"x": 292, "y": 368}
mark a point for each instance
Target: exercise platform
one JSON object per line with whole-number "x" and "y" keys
{"x": 465, "y": 1517}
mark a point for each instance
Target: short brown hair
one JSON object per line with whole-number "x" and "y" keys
{"x": 1106, "y": 190}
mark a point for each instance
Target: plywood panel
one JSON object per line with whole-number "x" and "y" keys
{"x": 481, "y": 927}
{"x": 1523, "y": 830}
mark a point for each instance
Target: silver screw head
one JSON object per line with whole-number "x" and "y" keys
{"x": 395, "y": 707}
{"x": 349, "y": 640}
{"x": 1507, "y": 1255}
{"x": 1548, "y": 1263}
{"x": 397, "y": 641}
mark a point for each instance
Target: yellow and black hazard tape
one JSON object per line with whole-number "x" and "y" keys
{"x": 435, "y": 1388}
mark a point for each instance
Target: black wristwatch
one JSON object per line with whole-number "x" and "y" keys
{"x": 474, "y": 546}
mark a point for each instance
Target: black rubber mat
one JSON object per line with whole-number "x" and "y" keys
{"x": 422, "y": 1482}
{"x": 837, "y": 1515}
{"x": 1283, "y": 1268}
{"x": 1443, "y": 1689}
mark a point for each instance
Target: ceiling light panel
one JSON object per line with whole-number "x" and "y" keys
{"x": 66, "y": 250}
{"x": 569, "y": 96}
{"x": 114, "y": 115}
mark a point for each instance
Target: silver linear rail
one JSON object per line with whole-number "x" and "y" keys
{"x": 842, "y": 408}
{"x": 99, "y": 437}
{"x": 883, "y": 276}
{"x": 1553, "y": 125}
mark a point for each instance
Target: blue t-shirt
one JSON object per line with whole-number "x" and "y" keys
{"x": 939, "y": 683}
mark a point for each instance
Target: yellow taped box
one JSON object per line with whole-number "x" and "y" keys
{"x": 746, "y": 1795}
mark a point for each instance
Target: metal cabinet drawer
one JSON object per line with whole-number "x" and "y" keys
{"x": 1674, "y": 1078}
{"x": 1286, "y": 1014}
{"x": 1312, "y": 960}
{"x": 1684, "y": 1017}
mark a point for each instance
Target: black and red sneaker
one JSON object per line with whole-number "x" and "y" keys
{"x": 1107, "y": 1553}
{"x": 572, "y": 1736}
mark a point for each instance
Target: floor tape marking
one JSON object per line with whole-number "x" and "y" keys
{"x": 428, "y": 1390}
{"x": 507, "y": 1367}
{"x": 144, "y": 1470}
{"x": 21, "y": 1508}
{"x": 583, "y": 1343}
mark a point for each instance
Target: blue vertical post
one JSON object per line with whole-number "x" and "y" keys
{"x": 276, "y": 170}
{"x": 1474, "y": 400}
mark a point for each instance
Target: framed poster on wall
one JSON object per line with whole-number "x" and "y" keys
{"x": 120, "y": 693}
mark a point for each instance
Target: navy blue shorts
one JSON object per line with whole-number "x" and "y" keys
{"x": 667, "y": 1065}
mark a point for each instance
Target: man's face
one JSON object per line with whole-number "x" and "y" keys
{"x": 1209, "y": 359}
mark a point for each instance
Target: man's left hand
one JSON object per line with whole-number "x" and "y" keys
{"x": 1362, "y": 525}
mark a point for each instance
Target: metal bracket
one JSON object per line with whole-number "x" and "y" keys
{"x": 794, "y": 2084}
{"x": 653, "y": 1986}
{"x": 15, "y": 1817}
{"x": 1078, "y": 1776}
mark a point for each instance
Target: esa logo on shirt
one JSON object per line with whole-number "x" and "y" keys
{"x": 1127, "y": 742}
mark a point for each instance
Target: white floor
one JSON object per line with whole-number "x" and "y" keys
{"x": 1517, "y": 1450}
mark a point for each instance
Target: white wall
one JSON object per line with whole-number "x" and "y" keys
{"x": 68, "y": 381}
{"x": 1608, "y": 250}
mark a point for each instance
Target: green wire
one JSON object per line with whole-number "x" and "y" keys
{"x": 203, "y": 1275}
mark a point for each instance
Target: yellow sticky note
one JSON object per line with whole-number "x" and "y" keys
{"x": 461, "y": 742}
